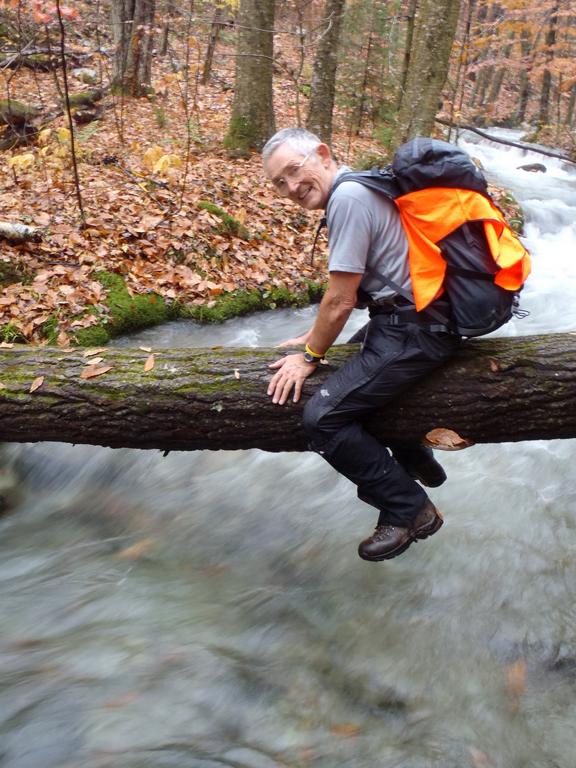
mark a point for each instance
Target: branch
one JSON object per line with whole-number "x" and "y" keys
{"x": 517, "y": 144}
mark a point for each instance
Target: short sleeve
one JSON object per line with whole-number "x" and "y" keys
{"x": 350, "y": 229}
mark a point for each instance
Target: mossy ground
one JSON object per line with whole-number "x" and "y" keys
{"x": 129, "y": 313}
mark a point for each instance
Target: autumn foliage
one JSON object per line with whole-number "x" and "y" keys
{"x": 164, "y": 206}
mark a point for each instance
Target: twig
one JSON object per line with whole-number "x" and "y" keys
{"x": 69, "y": 113}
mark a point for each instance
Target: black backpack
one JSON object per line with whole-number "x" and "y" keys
{"x": 477, "y": 304}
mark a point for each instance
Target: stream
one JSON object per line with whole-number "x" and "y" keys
{"x": 209, "y": 610}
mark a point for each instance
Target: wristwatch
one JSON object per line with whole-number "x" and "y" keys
{"x": 312, "y": 357}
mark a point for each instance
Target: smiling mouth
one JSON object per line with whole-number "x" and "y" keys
{"x": 305, "y": 193}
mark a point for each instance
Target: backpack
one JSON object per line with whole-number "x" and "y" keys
{"x": 466, "y": 250}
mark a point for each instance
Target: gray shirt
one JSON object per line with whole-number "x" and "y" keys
{"x": 365, "y": 231}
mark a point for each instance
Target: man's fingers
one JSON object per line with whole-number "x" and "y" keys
{"x": 278, "y": 363}
{"x": 297, "y": 391}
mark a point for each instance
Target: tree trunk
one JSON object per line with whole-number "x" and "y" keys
{"x": 324, "y": 74}
{"x": 252, "y": 120}
{"x": 434, "y": 35}
{"x": 494, "y": 390}
{"x": 132, "y": 31}
{"x": 411, "y": 23}
{"x": 544, "y": 112}
{"x": 212, "y": 41}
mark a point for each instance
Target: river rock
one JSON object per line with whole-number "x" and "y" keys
{"x": 533, "y": 168}
{"x": 9, "y": 489}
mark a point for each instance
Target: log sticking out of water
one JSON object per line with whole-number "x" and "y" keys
{"x": 494, "y": 390}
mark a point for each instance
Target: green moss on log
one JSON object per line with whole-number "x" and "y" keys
{"x": 230, "y": 225}
{"x": 14, "y": 112}
{"x": 85, "y": 98}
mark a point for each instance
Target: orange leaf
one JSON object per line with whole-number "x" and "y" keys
{"x": 446, "y": 440}
{"x": 149, "y": 364}
{"x": 516, "y": 680}
{"x": 345, "y": 729}
{"x": 37, "y": 383}
{"x": 133, "y": 552}
{"x": 93, "y": 370}
{"x": 91, "y": 352}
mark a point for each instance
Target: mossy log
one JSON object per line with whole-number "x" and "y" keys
{"x": 494, "y": 390}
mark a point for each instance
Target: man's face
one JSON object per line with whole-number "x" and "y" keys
{"x": 305, "y": 179}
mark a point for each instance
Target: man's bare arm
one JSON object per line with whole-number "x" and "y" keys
{"x": 335, "y": 308}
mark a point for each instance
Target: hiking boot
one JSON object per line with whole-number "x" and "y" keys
{"x": 427, "y": 471}
{"x": 389, "y": 541}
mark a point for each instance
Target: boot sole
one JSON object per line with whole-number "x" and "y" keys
{"x": 422, "y": 533}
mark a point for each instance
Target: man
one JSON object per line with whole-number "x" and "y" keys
{"x": 400, "y": 346}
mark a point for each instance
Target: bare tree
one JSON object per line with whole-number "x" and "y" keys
{"x": 132, "y": 30}
{"x": 324, "y": 76}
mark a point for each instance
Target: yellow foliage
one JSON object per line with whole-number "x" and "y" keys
{"x": 152, "y": 155}
{"x": 44, "y": 136}
{"x": 22, "y": 162}
{"x": 166, "y": 162}
{"x": 63, "y": 135}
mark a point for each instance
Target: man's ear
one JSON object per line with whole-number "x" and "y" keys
{"x": 323, "y": 152}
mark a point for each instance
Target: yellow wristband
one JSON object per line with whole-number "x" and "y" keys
{"x": 314, "y": 354}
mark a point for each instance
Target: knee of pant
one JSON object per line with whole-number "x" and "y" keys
{"x": 311, "y": 420}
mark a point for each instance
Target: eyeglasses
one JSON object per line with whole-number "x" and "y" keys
{"x": 291, "y": 173}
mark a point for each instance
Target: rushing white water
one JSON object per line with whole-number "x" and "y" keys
{"x": 209, "y": 609}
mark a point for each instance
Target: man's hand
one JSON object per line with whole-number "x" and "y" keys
{"x": 291, "y": 374}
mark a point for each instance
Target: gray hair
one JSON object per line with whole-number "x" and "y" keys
{"x": 299, "y": 139}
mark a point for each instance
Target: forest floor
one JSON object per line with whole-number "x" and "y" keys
{"x": 172, "y": 225}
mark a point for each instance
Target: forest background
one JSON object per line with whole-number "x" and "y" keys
{"x": 132, "y": 189}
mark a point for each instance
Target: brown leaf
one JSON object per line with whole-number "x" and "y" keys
{"x": 149, "y": 364}
{"x": 516, "y": 680}
{"x": 121, "y": 701}
{"x": 136, "y": 550}
{"x": 91, "y": 352}
{"x": 6, "y": 345}
{"x": 446, "y": 440}
{"x": 479, "y": 758}
{"x": 145, "y": 349}
{"x": 494, "y": 367}
{"x": 345, "y": 729}
{"x": 37, "y": 383}
{"x": 92, "y": 370}
{"x": 236, "y": 373}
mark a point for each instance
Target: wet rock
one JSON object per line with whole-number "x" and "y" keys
{"x": 533, "y": 167}
{"x": 9, "y": 490}
{"x": 86, "y": 75}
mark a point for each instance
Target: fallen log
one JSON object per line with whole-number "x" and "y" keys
{"x": 494, "y": 390}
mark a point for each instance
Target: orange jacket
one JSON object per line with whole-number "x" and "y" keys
{"x": 429, "y": 215}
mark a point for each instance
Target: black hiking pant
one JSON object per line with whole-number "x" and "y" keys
{"x": 392, "y": 358}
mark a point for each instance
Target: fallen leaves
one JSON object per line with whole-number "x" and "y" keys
{"x": 446, "y": 440}
{"x": 37, "y": 383}
{"x": 515, "y": 675}
{"x": 149, "y": 364}
{"x": 92, "y": 370}
{"x": 136, "y": 550}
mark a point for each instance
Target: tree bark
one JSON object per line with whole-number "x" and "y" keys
{"x": 429, "y": 62}
{"x": 252, "y": 119}
{"x": 544, "y": 112}
{"x": 323, "y": 88}
{"x": 132, "y": 32}
{"x": 212, "y": 41}
{"x": 494, "y": 390}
